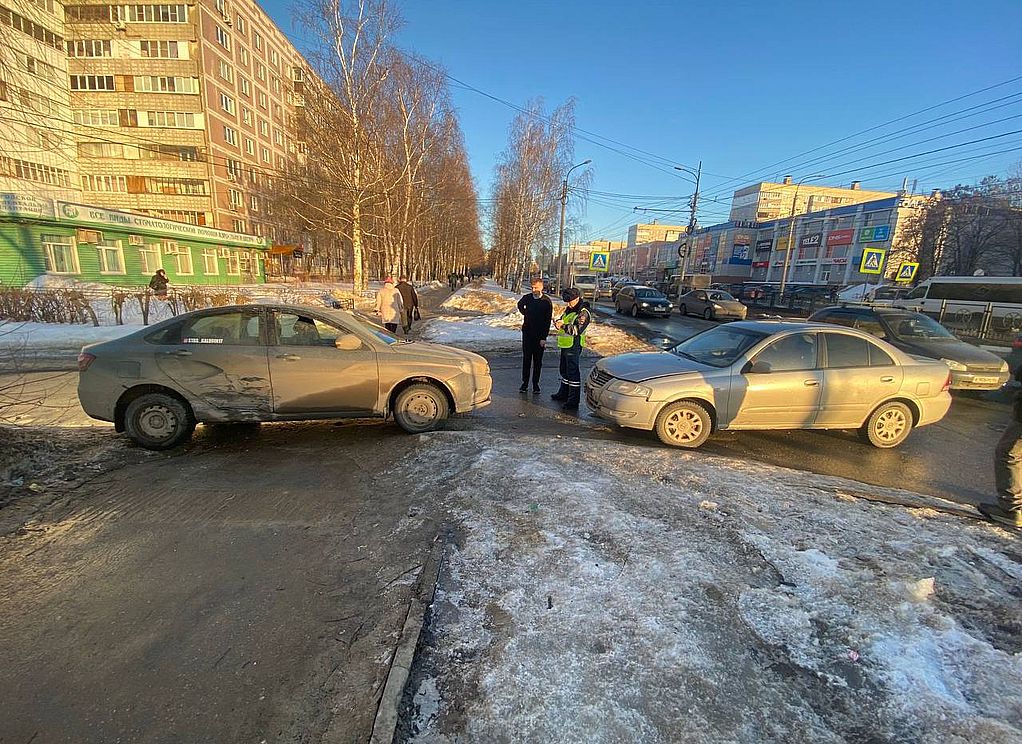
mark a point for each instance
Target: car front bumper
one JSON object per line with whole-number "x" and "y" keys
{"x": 978, "y": 380}
{"x": 623, "y": 410}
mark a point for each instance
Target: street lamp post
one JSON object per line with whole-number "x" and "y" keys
{"x": 791, "y": 230}
{"x": 694, "y": 204}
{"x": 560, "y": 239}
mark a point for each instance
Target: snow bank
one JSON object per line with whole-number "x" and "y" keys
{"x": 27, "y": 337}
{"x": 605, "y": 592}
{"x": 485, "y": 298}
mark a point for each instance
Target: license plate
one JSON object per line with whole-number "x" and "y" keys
{"x": 984, "y": 380}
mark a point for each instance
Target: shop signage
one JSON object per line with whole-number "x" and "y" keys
{"x": 842, "y": 260}
{"x": 25, "y": 205}
{"x": 840, "y": 237}
{"x": 874, "y": 234}
{"x": 740, "y": 255}
{"x": 810, "y": 241}
{"x": 764, "y": 245}
{"x": 760, "y": 264}
{"x": 68, "y": 211}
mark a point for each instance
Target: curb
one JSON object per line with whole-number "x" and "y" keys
{"x": 385, "y": 723}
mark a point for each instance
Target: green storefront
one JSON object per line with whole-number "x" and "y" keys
{"x": 40, "y": 237}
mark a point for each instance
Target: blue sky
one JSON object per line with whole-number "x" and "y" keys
{"x": 739, "y": 85}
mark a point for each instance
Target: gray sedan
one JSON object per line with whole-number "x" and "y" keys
{"x": 771, "y": 375}
{"x": 712, "y": 304}
{"x": 255, "y": 363}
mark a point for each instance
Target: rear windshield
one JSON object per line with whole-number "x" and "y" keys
{"x": 916, "y": 327}
{"x": 720, "y": 346}
{"x": 648, "y": 294}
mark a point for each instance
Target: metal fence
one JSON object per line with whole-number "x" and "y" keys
{"x": 980, "y": 321}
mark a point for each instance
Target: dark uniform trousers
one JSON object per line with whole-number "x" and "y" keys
{"x": 571, "y": 374}
{"x": 532, "y": 358}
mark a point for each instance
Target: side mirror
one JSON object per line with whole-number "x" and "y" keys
{"x": 348, "y": 342}
{"x": 756, "y": 368}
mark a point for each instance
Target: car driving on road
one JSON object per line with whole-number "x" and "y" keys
{"x": 712, "y": 304}
{"x": 771, "y": 375}
{"x": 254, "y": 363}
{"x": 639, "y": 300}
{"x": 972, "y": 368}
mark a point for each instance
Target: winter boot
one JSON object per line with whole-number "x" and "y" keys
{"x": 561, "y": 395}
{"x": 571, "y": 404}
{"x": 996, "y": 513}
{"x": 524, "y": 388}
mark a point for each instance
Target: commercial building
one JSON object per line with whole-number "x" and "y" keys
{"x": 87, "y": 243}
{"x": 182, "y": 111}
{"x": 37, "y": 154}
{"x": 769, "y": 201}
{"x": 654, "y": 232}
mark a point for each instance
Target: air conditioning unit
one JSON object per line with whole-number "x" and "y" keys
{"x": 88, "y": 236}
{"x": 135, "y": 240}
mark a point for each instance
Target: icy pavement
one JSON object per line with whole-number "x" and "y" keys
{"x": 602, "y": 592}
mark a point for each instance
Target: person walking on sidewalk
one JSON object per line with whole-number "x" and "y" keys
{"x": 571, "y": 339}
{"x": 389, "y": 305}
{"x": 1008, "y": 470}
{"x": 538, "y": 310}
{"x": 410, "y": 300}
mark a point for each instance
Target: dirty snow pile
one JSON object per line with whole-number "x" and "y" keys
{"x": 499, "y": 326}
{"x": 594, "y": 595}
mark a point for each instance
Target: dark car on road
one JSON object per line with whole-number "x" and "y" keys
{"x": 640, "y": 300}
{"x": 972, "y": 368}
{"x": 614, "y": 290}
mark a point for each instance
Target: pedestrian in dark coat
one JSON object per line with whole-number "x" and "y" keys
{"x": 1008, "y": 469}
{"x": 159, "y": 283}
{"x": 411, "y": 303}
{"x": 571, "y": 339}
{"x": 538, "y": 310}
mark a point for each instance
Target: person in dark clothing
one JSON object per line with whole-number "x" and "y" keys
{"x": 538, "y": 310}
{"x": 571, "y": 339}
{"x": 1008, "y": 470}
{"x": 159, "y": 283}
{"x": 411, "y": 303}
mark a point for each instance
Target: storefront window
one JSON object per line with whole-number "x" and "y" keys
{"x": 209, "y": 262}
{"x": 111, "y": 257}
{"x": 61, "y": 255}
{"x": 150, "y": 259}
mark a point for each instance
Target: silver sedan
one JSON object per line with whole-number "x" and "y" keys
{"x": 771, "y": 375}
{"x": 712, "y": 304}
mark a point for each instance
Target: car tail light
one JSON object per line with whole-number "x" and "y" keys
{"x": 947, "y": 384}
{"x": 1017, "y": 343}
{"x": 84, "y": 360}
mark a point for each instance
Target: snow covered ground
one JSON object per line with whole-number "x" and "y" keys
{"x": 498, "y": 328}
{"x": 611, "y": 592}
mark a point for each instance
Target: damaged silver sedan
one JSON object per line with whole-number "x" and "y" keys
{"x": 253, "y": 363}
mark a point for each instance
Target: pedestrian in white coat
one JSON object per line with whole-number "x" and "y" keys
{"x": 389, "y": 305}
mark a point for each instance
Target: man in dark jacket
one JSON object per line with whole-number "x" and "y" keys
{"x": 538, "y": 311}
{"x": 411, "y": 303}
{"x": 159, "y": 283}
{"x": 571, "y": 339}
{"x": 1008, "y": 470}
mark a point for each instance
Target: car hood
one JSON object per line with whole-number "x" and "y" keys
{"x": 729, "y": 304}
{"x": 435, "y": 352}
{"x": 640, "y": 366}
{"x": 959, "y": 351}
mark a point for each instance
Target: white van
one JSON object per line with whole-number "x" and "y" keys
{"x": 587, "y": 284}
{"x": 965, "y": 299}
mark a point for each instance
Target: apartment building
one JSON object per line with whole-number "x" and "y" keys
{"x": 654, "y": 232}
{"x": 181, "y": 111}
{"x": 37, "y": 150}
{"x": 769, "y": 201}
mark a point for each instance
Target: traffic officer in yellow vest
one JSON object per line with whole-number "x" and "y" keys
{"x": 571, "y": 339}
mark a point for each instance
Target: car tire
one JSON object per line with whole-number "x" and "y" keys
{"x": 684, "y": 424}
{"x": 683, "y": 310}
{"x": 635, "y": 311}
{"x": 617, "y": 307}
{"x": 888, "y": 426}
{"x": 708, "y": 313}
{"x": 158, "y": 421}
{"x": 420, "y": 408}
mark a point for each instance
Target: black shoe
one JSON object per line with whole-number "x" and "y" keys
{"x": 571, "y": 405}
{"x": 558, "y": 397}
{"x": 995, "y": 513}
{"x": 524, "y": 388}
{"x": 535, "y": 389}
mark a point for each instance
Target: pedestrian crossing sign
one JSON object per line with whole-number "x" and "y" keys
{"x": 599, "y": 260}
{"x": 872, "y": 261}
{"x": 907, "y": 271}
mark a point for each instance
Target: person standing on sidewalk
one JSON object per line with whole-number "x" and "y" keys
{"x": 538, "y": 310}
{"x": 389, "y": 305}
{"x": 571, "y": 339}
{"x": 410, "y": 300}
{"x": 1008, "y": 470}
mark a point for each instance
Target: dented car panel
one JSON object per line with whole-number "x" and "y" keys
{"x": 275, "y": 363}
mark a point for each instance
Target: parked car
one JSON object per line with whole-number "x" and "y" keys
{"x": 621, "y": 285}
{"x": 712, "y": 304}
{"x": 771, "y": 375}
{"x": 272, "y": 363}
{"x": 640, "y": 300}
{"x": 972, "y": 368}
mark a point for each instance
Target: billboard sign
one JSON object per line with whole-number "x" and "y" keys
{"x": 764, "y": 245}
{"x": 840, "y": 237}
{"x": 740, "y": 255}
{"x": 874, "y": 234}
{"x": 811, "y": 241}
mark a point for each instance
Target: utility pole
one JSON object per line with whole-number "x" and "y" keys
{"x": 791, "y": 230}
{"x": 560, "y": 239}
{"x": 693, "y": 205}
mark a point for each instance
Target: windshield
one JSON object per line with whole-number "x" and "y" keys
{"x": 370, "y": 326}
{"x": 720, "y": 296}
{"x": 719, "y": 347}
{"x": 649, "y": 294}
{"x": 917, "y": 327}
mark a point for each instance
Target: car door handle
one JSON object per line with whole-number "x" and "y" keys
{"x": 289, "y": 357}
{"x": 811, "y": 383}
{"x": 178, "y": 352}
{"x": 886, "y": 378}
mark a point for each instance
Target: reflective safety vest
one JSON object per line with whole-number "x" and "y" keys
{"x": 566, "y": 340}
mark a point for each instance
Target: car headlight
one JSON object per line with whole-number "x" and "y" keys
{"x": 717, "y": 307}
{"x": 644, "y": 304}
{"x": 956, "y": 366}
{"x": 1004, "y": 367}
{"x": 670, "y": 305}
{"x": 623, "y": 387}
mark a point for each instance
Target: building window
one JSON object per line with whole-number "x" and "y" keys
{"x": 257, "y": 40}
{"x": 274, "y": 58}
{"x": 230, "y": 135}
{"x": 31, "y": 28}
{"x": 246, "y": 87}
{"x": 149, "y": 259}
{"x": 263, "y": 101}
{"x": 111, "y": 257}
{"x": 29, "y": 171}
{"x": 233, "y": 263}
{"x": 246, "y": 116}
{"x": 223, "y": 38}
{"x": 92, "y": 82}
{"x": 234, "y": 169}
{"x": 105, "y": 184}
{"x": 249, "y": 146}
{"x": 107, "y": 150}
{"x": 182, "y": 257}
{"x": 241, "y": 25}
{"x": 264, "y": 128}
{"x": 278, "y": 137}
{"x": 171, "y": 119}
{"x": 159, "y": 49}
{"x": 261, "y": 71}
{"x": 158, "y": 84}
{"x": 253, "y": 203}
{"x": 210, "y": 266}
{"x": 234, "y": 197}
{"x": 243, "y": 56}
{"x": 227, "y": 103}
{"x": 149, "y": 13}
{"x": 266, "y": 155}
{"x": 177, "y": 186}
{"x": 96, "y": 117}
{"x": 226, "y": 72}
{"x": 88, "y": 48}
{"x": 61, "y": 255}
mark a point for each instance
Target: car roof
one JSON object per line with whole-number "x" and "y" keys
{"x": 780, "y": 326}
{"x": 871, "y": 308}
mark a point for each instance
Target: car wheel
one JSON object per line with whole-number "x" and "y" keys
{"x": 158, "y": 421}
{"x": 635, "y": 311}
{"x": 708, "y": 313}
{"x": 684, "y": 424}
{"x": 617, "y": 306}
{"x": 888, "y": 426}
{"x": 683, "y": 310}
{"x": 420, "y": 408}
